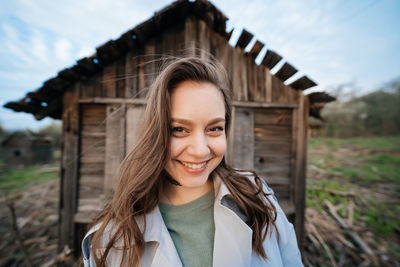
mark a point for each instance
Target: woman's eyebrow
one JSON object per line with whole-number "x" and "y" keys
{"x": 189, "y": 122}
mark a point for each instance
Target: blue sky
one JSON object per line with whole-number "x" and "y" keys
{"x": 333, "y": 42}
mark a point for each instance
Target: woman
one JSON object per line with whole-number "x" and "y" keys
{"x": 178, "y": 203}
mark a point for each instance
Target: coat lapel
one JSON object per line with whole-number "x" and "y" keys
{"x": 164, "y": 251}
{"x": 233, "y": 237}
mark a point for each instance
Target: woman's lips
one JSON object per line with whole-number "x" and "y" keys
{"x": 194, "y": 167}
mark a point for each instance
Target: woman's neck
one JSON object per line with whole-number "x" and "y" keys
{"x": 178, "y": 195}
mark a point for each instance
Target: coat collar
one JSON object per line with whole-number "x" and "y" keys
{"x": 229, "y": 229}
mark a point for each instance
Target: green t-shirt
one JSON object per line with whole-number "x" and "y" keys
{"x": 192, "y": 229}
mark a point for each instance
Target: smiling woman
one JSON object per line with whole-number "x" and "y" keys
{"x": 178, "y": 203}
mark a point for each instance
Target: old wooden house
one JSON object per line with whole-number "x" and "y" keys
{"x": 26, "y": 148}
{"x": 101, "y": 98}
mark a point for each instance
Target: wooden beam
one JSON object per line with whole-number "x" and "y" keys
{"x": 271, "y": 59}
{"x": 89, "y": 65}
{"x": 52, "y": 107}
{"x": 256, "y": 49}
{"x": 108, "y": 52}
{"x": 302, "y": 83}
{"x": 244, "y": 39}
{"x": 318, "y": 97}
{"x": 285, "y": 72}
{"x": 264, "y": 105}
{"x": 111, "y": 100}
{"x": 69, "y": 74}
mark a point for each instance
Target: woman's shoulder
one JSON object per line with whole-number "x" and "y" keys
{"x": 105, "y": 238}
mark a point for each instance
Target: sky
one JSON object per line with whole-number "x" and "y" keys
{"x": 333, "y": 42}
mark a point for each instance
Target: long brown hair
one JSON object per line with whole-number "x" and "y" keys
{"x": 142, "y": 173}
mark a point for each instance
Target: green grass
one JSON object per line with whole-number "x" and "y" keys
{"x": 18, "y": 179}
{"x": 384, "y": 143}
{"x": 345, "y": 164}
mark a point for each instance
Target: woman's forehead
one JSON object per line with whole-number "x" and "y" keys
{"x": 197, "y": 98}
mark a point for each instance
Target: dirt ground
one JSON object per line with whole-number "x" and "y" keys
{"x": 335, "y": 234}
{"x": 36, "y": 213}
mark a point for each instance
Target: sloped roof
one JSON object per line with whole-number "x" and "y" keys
{"x": 47, "y": 100}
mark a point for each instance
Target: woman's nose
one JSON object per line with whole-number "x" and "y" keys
{"x": 199, "y": 146}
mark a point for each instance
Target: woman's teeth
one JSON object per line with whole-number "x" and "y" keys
{"x": 194, "y": 166}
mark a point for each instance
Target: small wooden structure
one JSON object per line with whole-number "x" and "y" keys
{"x": 27, "y": 148}
{"x": 101, "y": 98}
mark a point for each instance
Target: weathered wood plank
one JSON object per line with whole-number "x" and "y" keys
{"x": 285, "y": 72}
{"x": 131, "y": 68}
{"x": 107, "y": 100}
{"x": 261, "y": 89}
{"x": 251, "y": 78}
{"x": 121, "y": 78}
{"x": 109, "y": 80}
{"x": 222, "y": 52}
{"x": 149, "y": 64}
{"x": 258, "y": 45}
{"x": 244, "y": 39}
{"x": 272, "y": 116}
{"x": 134, "y": 116}
{"x": 239, "y": 73}
{"x": 95, "y": 168}
{"x": 93, "y": 181}
{"x": 268, "y": 86}
{"x": 280, "y": 131}
{"x": 203, "y": 39}
{"x": 141, "y": 77}
{"x": 302, "y": 83}
{"x": 263, "y": 105}
{"x": 301, "y": 163}
{"x": 242, "y": 145}
{"x": 270, "y": 59}
{"x": 69, "y": 168}
{"x": 276, "y": 90}
{"x": 114, "y": 145}
{"x": 190, "y": 36}
{"x": 267, "y": 149}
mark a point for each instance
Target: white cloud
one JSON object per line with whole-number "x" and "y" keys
{"x": 85, "y": 51}
{"x": 38, "y": 46}
{"x": 63, "y": 49}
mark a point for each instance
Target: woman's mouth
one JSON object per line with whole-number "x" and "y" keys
{"x": 194, "y": 167}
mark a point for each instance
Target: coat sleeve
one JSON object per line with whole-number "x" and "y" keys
{"x": 287, "y": 242}
{"x": 88, "y": 260}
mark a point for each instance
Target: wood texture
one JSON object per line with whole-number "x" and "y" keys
{"x": 285, "y": 72}
{"x": 302, "y": 83}
{"x": 133, "y": 120}
{"x": 92, "y": 152}
{"x": 301, "y": 163}
{"x": 272, "y": 153}
{"x": 131, "y": 84}
{"x": 109, "y": 80}
{"x": 239, "y": 75}
{"x": 242, "y": 148}
{"x": 69, "y": 169}
{"x": 203, "y": 39}
{"x": 255, "y": 50}
{"x": 244, "y": 39}
{"x": 114, "y": 145}
{"x": 270, "y": 59}
{"x": 190, "y": 36}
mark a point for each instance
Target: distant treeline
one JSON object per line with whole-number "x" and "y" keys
{"x": 376, "y": 113}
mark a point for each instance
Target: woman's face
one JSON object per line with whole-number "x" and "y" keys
{"x": 198, "y": 140}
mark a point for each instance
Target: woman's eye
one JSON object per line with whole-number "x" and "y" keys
{"x": 217, "y": 129}
{"x": 178, "y": 129}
